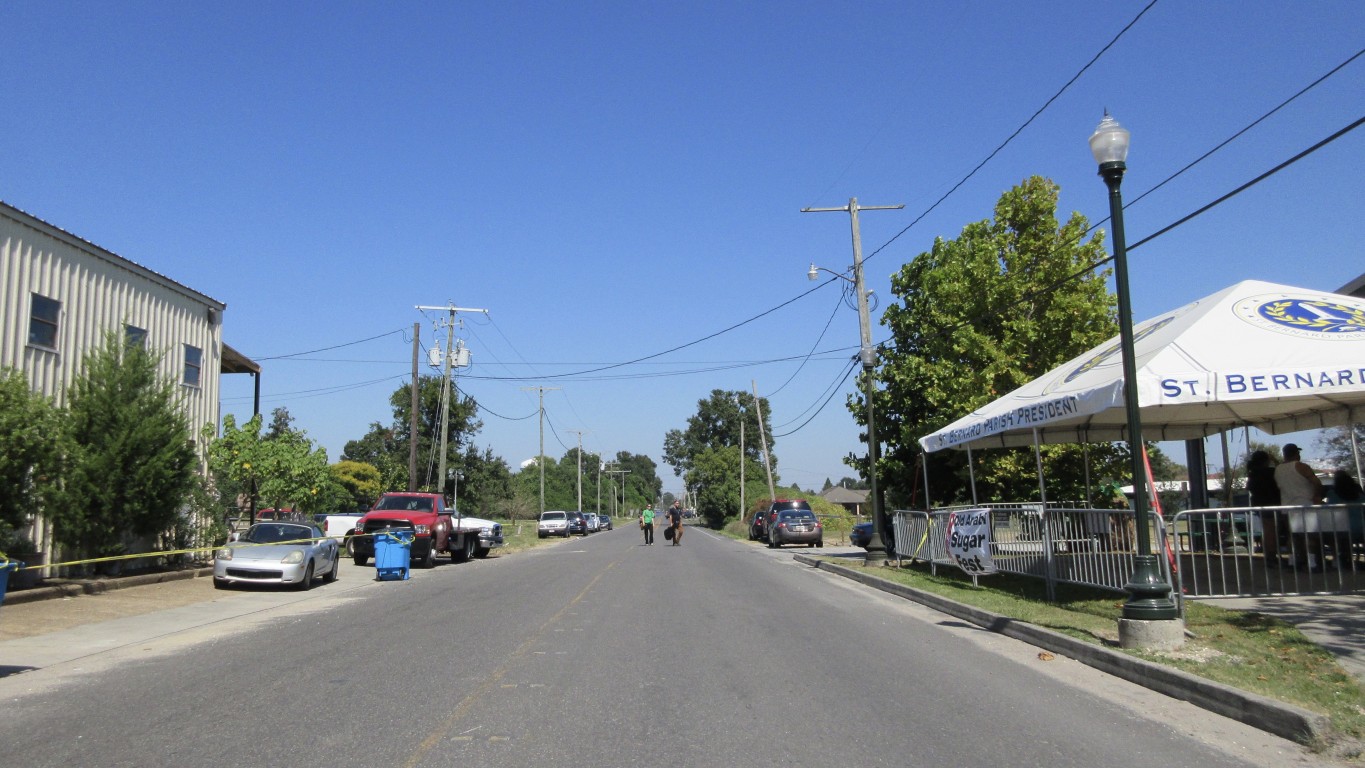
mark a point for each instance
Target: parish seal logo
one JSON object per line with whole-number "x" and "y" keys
{"x": 1304, "y": 316}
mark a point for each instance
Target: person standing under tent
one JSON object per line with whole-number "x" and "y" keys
{"x": 1300, "y": 487}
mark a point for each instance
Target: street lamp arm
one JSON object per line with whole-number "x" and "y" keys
{"x": 814, "y": 273}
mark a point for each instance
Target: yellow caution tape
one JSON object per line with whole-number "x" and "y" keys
{"x": 5, "y": 561}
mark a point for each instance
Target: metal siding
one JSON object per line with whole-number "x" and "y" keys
{"x": 99, "y": 294}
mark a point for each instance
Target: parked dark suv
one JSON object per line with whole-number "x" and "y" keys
{"x": 763, "y": 521}
{"x": 577, "y": 524}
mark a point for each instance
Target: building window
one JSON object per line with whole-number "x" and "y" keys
{"x": 193, "y": 360}
{"x": 42, "y": 322}
{"x": 134, "y": 336}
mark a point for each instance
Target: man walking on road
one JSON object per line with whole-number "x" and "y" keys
{"x": 675, "y": 522}
{"x": 647, "y": 525}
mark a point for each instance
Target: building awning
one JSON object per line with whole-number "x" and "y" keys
{"x": 236, "y": 362}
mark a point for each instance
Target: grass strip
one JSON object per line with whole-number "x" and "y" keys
{"x": 1244, "y": 649}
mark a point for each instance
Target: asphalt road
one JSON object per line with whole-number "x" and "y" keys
{"x": 594, "y": 651}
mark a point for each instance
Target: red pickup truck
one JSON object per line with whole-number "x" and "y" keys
{"x": 436, "y": 528}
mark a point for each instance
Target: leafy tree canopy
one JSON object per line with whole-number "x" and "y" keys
{"x": 288, "y": 471}
{"x": 361, "y": 481}
{"x": 975, "y": 318}
{"x": 386, "y": 447}
{"x": 716, "y": 424}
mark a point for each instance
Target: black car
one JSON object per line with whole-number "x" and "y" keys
{"x": 606, "y": 522}
{"x": 577, "y": 524}
{"x": 763, "y": 521}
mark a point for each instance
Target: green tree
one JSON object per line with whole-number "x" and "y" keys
{"x": 487, "y": 482}
{"x": 131, "y": 458}
{"x": 715, "y": 476}
{"x": 381, "y": 449}
{"x": 716, "y": 424}
{"x": 360, "y": 480}
{"x": 289, "y": 471}
{"x": 387, "y": 447}
{"x": 30, "y": 454}
{"x": 642, "y": 485}
{"x": 975, "y": 318}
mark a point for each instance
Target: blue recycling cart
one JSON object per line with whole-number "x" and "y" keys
{"x": 5, "y": 567}
{"x": 392, "y": 554}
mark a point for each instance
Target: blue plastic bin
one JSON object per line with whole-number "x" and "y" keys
{"x": 392, "y": 554}
{"x": 5, "y": 567}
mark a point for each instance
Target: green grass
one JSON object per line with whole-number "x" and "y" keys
{"x": 1246, "y": 650}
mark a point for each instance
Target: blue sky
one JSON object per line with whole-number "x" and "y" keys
{"x": 613, "y": 180}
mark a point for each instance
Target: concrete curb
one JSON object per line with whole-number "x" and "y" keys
{"x": 77, "y": 587}
{"x": 1284, "y": 720}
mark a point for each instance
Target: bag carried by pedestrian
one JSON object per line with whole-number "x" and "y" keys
{"x": 668, "y": 533}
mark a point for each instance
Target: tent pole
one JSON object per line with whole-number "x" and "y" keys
{"x": 972, "y": 473}
{"x": 1355, "y": 447}
{"x": 1038, "y": 459}
{"x": 1089, "y": 496}
{"x": 1227, "y": 470}
{"x": 924, "y": 465}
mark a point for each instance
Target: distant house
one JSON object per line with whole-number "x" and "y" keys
{"x": 849, "y": 499}
{"x": 60, "y": 294}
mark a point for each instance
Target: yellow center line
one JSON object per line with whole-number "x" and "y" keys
{"x": 492, "y": 681}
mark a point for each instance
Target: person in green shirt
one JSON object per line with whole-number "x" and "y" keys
{"x": 647, "y": 525}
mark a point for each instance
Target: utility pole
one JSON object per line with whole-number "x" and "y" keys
{"x": 763, "y": 435}
{"x": 445, "y": 384}
{"x": 742, "y": 508}
{"x": 416, "y": 404}
{"x": 876, "y": 550}
{"x": 599, "y": 487}
{"x": 622, "y": 473}
{"x": 579, "y": 432}
{"x": 541, "y": 458}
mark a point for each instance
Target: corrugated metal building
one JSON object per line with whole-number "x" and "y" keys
{"x": 59, "y": 295}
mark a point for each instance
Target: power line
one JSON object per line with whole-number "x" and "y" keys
{"x": 835, "y": 391}
{"x": 818, "y": 339}
{"x": 1253, "y": 182}
{"x": 843, "y": 376}
{"x": 1182, "y": 220}
{"x": 328, "y": 349}
{"x": 485, "y": 409}
{"x": 1248, "y": 127}
{"x": 1017, "y": 131}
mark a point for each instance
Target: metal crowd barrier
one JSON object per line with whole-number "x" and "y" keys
{"x": 1225, "y": 552}
{"x": 1091, "y": 547}
{"x": 1261, "y": 551}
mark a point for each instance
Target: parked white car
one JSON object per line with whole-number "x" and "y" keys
{"x": 553, "y": 523}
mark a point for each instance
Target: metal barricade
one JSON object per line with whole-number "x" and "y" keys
{"x": 1091, "y": 547}
{"x": 1260, "y": 551}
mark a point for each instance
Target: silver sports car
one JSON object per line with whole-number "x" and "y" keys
{"x": 278, "y": 553}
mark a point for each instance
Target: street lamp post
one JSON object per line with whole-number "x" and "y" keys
{"x": 1149, "y": 596}
{"x": 876, "y": 550}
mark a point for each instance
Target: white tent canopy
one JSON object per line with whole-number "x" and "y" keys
{"x": 1275, "y": 357}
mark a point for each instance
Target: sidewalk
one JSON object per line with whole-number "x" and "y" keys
{"x": 1335, "y": 622}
